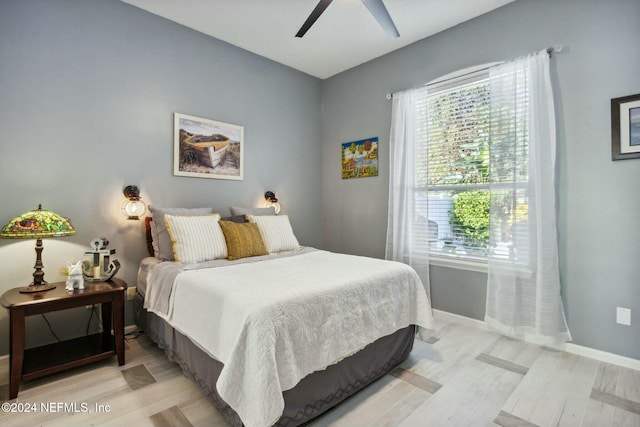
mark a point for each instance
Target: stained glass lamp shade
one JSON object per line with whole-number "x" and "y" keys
{"x": 37, "y": 224}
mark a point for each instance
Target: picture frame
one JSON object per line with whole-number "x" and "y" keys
{"x": 204, "y": 148}
{"x": 625, "y": 127}
{"x": 360, "y": 158}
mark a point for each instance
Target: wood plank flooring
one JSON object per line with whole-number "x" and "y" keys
{"x": 458, "y": 376}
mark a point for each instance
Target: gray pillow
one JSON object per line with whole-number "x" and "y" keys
{"x": 163, "y": 247}
{"x": 238, "y": 219}
{"x": 235, "y": 210}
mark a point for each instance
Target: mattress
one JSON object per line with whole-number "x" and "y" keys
{"x": 311, "y": 397}
{"x": 275, "y": 320}
{"x": 144, "y": 270}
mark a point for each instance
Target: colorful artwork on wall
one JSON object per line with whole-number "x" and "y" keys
{"x": 360, "y": 158}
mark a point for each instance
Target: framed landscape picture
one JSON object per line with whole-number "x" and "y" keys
{"x": 204, "y": 148}
{"x": 360, "y": 158}
{"x": 625, "y": 127}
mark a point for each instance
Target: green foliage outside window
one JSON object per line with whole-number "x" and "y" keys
{"x": 470, "y": 218}
{"x": 468, "y": 142}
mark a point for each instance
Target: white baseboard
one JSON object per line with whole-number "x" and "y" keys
{"x": 452, "y": 317}
{"x": 579, "y": 350}
{"x": 603, "y": 356}
{"x": 129, "y": 329}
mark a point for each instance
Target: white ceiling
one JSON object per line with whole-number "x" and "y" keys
{"x": 345, "y": 35}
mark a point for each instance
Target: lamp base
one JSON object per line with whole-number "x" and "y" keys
{"x": 37, "y": 288}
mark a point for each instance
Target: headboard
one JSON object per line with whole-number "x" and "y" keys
{"x": 147, "y": 232}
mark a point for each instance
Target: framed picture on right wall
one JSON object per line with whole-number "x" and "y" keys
{"x": 625, "y": 127}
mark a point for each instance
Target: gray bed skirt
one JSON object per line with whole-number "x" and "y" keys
{"x": 313, "y": 395}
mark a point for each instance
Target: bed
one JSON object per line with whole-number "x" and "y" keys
{"x": 279, "y": 337}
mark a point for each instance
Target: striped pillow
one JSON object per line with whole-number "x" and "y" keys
{"x": 196, "y": 238}
{"x": 243, "y": 240}
{"x": 162, "y": 245}
{"x": 276, "y": 232}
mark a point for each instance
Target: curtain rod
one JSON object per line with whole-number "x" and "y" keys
{"x": 550, "y": 51}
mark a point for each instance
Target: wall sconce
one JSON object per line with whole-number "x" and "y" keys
{"x": 133, "y": 207}
{"x": 272, "y": 200}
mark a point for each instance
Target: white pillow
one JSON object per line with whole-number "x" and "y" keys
{"x": 276, "y": 232}
{"x": 196, "y": 238}
{"x": 162, "y": 246}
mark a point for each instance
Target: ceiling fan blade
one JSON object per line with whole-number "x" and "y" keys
{"x": 379, "y": 11}
{"x": 315, "y": 14}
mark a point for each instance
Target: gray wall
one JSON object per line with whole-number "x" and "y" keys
{"x": 598, "y": 198}
{"x": 88, "y": 89}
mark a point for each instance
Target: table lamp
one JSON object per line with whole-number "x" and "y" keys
{"x": 37, "y": 224}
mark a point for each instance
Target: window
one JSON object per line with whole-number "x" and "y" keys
{"x": 466, "y": 145}
{"x": 492, "y": 137}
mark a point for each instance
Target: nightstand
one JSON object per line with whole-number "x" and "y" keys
{"x": 32, "y": 363}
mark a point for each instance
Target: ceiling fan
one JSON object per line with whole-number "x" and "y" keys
{"x": 376, "y": 8}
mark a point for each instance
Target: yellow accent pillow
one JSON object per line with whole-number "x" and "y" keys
{"x": 243, "y": 240}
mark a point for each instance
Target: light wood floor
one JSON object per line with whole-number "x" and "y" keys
{"x": 463, "y": 376}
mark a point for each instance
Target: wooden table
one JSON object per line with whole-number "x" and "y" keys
{"x": 37, "y": 362}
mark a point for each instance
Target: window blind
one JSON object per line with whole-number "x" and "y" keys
{"x": 467, "y": 138}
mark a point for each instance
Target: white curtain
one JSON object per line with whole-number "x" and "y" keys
{"x": 523, "y": 292}
{"x": 407, "y": 229}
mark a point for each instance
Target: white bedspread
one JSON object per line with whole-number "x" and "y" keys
{"x": 275, "y": 321}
